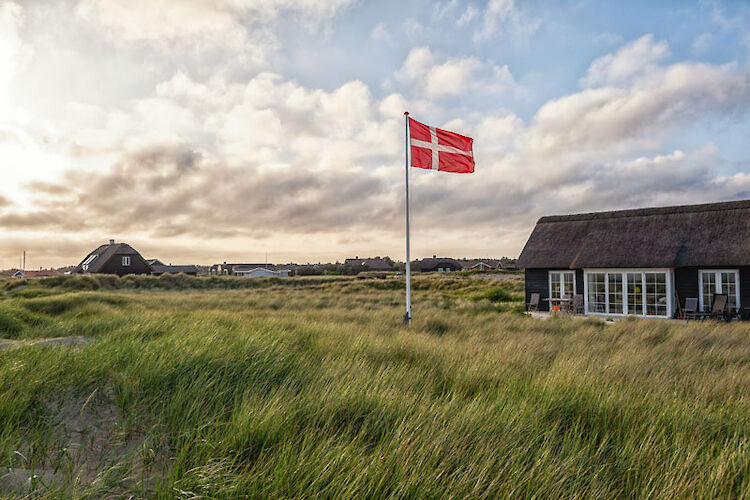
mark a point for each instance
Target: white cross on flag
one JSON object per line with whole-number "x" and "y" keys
{"x": 436, "y": 149}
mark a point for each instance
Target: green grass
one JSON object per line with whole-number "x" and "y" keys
{"x": 311, "y": 387}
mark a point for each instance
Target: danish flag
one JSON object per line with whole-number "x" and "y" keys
{"x": 436, "y": 149}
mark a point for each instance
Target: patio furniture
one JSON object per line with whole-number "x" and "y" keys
{"x": 576, "y": 307}
{"x": 690, "y": 311}
{"x": 558, "y": 305}
{"x": 718, "y": 307}
{"x": 566, "y": 304}
{"x": 533, "y": 304}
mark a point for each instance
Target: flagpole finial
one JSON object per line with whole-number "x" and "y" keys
{"x": 406, "y": 113}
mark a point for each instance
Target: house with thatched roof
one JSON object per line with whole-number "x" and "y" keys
{"x": 643, "y": 262}
{"x": 439, "y": 264}
{"x": 113, "y": 258}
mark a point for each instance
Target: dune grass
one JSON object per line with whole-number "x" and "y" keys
{"x": 286, "y": 388}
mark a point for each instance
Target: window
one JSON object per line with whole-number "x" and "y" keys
{"x": 597, "y": 292}
{"x": 562, "y": 283}
{"x": 126, "y": 260}
{"x": 724, "y": 281}
{"x": 656, "y": 294}
{"x": 633, "y": 292}
{"x": 615, "y": 293}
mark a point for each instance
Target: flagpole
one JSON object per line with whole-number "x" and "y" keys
{"x": 407, "y": 316}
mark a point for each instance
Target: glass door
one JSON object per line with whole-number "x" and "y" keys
{"x": 718, "y": 281}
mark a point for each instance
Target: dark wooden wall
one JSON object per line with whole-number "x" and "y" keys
{"x": 686, "y": 283}
{"x": 537, "y": 282}
{"x": 137, "y": 265}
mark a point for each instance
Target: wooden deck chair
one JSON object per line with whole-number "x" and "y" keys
{"x": 690, "y": 311}
{"x": 567, "y": 303}
{"x": 533, "y": 304}
{"x": 577, "y": 304}
{"x": 718, "y": 307}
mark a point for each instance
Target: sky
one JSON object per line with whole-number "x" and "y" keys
{"x": 203, "y": 131}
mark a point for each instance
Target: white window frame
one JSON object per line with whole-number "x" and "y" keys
{"x": 125, "y": 260}
{"x": 624, "y": 271}
{"x": 562, "y": 282}
{"x": 719, "y": 286}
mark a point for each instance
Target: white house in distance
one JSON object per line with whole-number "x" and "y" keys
{"x": 260, "y": 272}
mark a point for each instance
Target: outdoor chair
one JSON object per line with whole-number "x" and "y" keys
{"x": 690, "y": 311}
{"x": 718, "y": 307}
{"x": 576, "y": 305}
{"x": 533, "y": 304}
{"x": 566, "y": 305}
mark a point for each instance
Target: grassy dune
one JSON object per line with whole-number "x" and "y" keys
{"x": 310, "y": 387}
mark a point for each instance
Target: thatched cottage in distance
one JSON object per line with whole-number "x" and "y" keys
{"x": 641, "y": 262}
{"x": 114, "y": 258}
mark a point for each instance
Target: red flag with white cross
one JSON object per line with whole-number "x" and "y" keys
{"x": 436, "y": 149}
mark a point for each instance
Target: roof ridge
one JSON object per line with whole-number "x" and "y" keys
{"x": 645, "y": 212}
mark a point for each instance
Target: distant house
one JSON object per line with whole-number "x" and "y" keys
{"x": 113, "y": 258}
{"x": 261, "y": 272}
{"x": 159, "y": 269}
{"x": 439, "y": 264}
{"x": 376, "y": 264}
{"x": 479, "y": 265}
{"x": 639, "y": 262}
{"x": 228, "y": 269}
{"x": 42, "y": 273}
{"x": 508, "y": 264}
{"x": 157, "y": 262}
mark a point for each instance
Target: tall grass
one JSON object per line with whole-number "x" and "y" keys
{"x": 278, "y": 389}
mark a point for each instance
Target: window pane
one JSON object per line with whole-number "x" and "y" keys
{"x": 729, "y": 287}
{"x": 615, "y": 293}
{"x": 635, "y": 293}
{"x": 555, "y": 292}
{"x": 569, "y": 288}
{"x": 709, "y": 289}
{"x": 656, "y": 294}
{"x": 596, "y": 292}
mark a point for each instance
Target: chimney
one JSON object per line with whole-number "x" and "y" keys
{"x": 111, "y": 242}
{"x": 434, "y": 256}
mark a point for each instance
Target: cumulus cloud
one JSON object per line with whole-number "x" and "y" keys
{"x": 267, "y": 159}
{"x": 238, "y": 25}
{"x": 14, "y": 53}
{"x": 438, "y": 76}
{"x": 503, "y": 16}
{"x": 631, "y": 61}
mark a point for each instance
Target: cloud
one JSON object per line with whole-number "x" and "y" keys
{"x": 631, "y": 61}
{"x": 238, "y": 25}
{"x": 468, "y": 15}
{"x": 230, "y": 165}
{"x": 437, "y": 76}
{"x": 502, "y": 16}
{"x": 380, "y": 32}
{"x": 14, "y": 53}
{"x": 701, "y": 44}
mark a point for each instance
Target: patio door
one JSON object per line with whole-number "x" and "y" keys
{"x": 562, "y": 283}
{"x": 715, "y": 281}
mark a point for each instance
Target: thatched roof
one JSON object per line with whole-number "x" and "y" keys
{"x": 100, "y": 256}
{"x": 714, "y": 234}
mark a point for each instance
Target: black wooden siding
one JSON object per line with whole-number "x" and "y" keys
{"x": 537, "y": 282}
{"x": 137, "y": 265}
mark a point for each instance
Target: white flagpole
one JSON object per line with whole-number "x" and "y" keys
{"x": 407, "y": 316}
